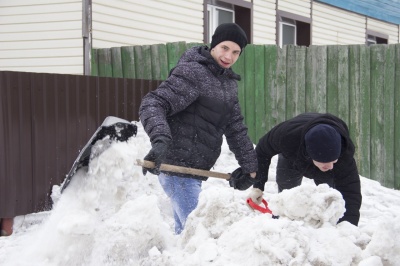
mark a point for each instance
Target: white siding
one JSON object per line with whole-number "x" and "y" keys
{"x": 336, "y": 26}
{"x": 46, "y": 35}
{"x": 386, "y": 28}
{"x": 137, "y": 22}
{"x": 41, "y": 36}
{"x": 264, "y": 20}
{"x": 298, "y": 7}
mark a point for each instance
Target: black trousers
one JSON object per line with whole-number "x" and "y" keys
{"x": 287, "y": 176}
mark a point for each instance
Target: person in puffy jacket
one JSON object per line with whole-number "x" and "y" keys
{"x": 188, "y": 114}
{"x": 314, "y": 145}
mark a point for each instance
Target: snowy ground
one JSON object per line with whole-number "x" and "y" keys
{"x": 113, "y": 215}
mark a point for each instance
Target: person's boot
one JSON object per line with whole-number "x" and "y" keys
{"x": 7, "y": 226}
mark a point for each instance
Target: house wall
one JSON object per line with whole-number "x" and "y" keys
{"x": 137, "y": 22}
{"x": 41, "y": 36}
{"x": 331, "y": 25}
{"x": 264, "y": 20}
{"x": 46, "y": 35}
{"x": 298, "y": 7}
{"x": 384, "y": 27}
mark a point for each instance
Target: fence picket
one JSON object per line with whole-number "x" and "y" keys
{"x": 365, "y": 111}
{"x": 355, "y": 98}
{"x": 300, "y": 79}
{"x": 316, "y": 77}
{"x": 271, "y": 60}
{"x": 238, "y": 68}
{"x": 295, "y": 77}
{"x": 281, "y": 86}
{"x": 332, "y": 105}
{"x": 249, "y": 90}
{"x": 343, "y": 83}
{"x": 105, "y": 62}
{"x": 128, "y": 62}
{"x": 377, "y": 107}
{"x": 94, "y": 69}
{"x": 159, "y": 62}
{"x": 388, "y": 112}
{"x": 143, "y": 61}
{"x": 397, "y": 118}
{"x": 259, "y": 92}
{"x": 175, "y": 51}
{"x": 116, "y": 62}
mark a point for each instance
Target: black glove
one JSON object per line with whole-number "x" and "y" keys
{"x": 157, "y": 154}
{"x": 241, "y": 181}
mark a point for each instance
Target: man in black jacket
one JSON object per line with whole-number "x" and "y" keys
{"x": 190, "y": 112}
{"x": 317, "y": 146}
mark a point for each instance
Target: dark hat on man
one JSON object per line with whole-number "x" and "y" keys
{"x": 229, "y": 32}
{"x": 323, "y": 143}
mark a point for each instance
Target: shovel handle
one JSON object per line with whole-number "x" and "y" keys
{"x": 183, "y": 170}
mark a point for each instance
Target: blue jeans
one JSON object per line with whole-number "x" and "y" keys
{"x": 184, "y": 195}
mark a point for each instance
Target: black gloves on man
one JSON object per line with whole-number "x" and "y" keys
{"x": 157, "y": 154}
{"x": 240, "y": 180}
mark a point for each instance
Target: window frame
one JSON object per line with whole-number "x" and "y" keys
{"x": 243, "y": 16}
{"x": 282, "y": 17}
{"x": 213, "y": 19}
{"x": 281, "y": 23}
{"x": 377, "y": 37}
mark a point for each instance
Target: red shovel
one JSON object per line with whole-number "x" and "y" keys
{"x": 260, "y": 208}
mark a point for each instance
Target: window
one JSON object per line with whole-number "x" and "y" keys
{"x": 376, "y": 38}
{"x": 293, "y": 29}
{"x": 371, "y": 40}
{"x": 217, "y": 12}
{"x": 217, "y": 16}
{"x": 287, "y": 31}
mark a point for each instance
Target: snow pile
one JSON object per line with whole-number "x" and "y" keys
{"x": 113, "y": 215}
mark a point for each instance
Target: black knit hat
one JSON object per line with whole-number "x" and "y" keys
{"x": 229, "y": 32}
{"x": 323, "y": 143}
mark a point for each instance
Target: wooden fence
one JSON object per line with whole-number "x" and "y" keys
{"x": 360, "y": 84}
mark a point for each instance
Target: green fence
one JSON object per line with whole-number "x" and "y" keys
{"x": 360, "y": 84}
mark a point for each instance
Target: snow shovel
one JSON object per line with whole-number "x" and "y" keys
{"x": 113, "y": 128}
{"x": 262, "y": 209}
{"x": 183, "y": 170}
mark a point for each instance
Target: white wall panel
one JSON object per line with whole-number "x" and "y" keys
{"x": 41, "y": 53}
{"x": 336, "y": 26}
{"x": 264, "y": 20}
{"x": 26, "y": 62}
{"x": 41, "y": 36}
{"x": 386, "y": 28}
{"x": 38, "y": 27}
{"x": 137, "y": 22}
{"x": 41, "y": 44}
{"x": 298, "y": 7}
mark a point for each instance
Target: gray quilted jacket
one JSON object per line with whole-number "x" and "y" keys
{"x": 195, "y": 106}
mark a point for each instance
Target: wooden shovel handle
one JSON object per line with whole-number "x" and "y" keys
{"x": 183, "y": 170}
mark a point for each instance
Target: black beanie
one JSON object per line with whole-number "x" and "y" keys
{"x": 323, "y": 143}
{"x": 229, "y": 32}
